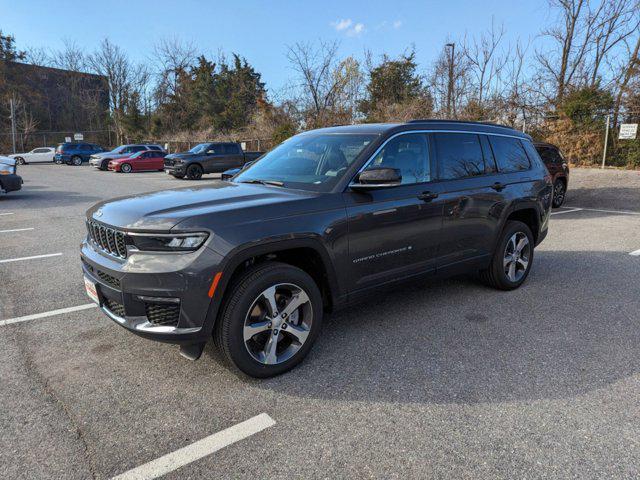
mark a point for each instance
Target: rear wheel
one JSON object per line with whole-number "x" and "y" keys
{"x": 20, "y": 161}
{"x": 125, "y": 168}
{"x": 194, "y": 172}
{"x": 559, "y": 193}
{"x": 512, "y": 258}
{"x": 270, "y": 320}
{"x": 76, "y": 160}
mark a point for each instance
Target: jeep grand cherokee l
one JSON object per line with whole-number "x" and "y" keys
{"x": 323, "y": 220}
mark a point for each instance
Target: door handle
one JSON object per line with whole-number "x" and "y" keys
{"x": 498, "y": 187}
{"x": 427, "y": 196}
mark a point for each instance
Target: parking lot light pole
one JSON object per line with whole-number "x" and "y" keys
{"x": 12, "y": 109}
{"x": 606, "y": 140}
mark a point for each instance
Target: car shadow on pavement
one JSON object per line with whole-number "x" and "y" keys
{"x": 617, "y": 198}
{"x": 35, "y": 198}
{"x": 570, "y": 329}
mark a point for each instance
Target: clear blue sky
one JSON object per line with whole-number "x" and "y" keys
{"x": 261, "y": 30}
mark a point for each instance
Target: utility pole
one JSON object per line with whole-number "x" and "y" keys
{"x": 13, "y": 123}
{"x": 450, "y": 86}
{"x": 606, "y": 140}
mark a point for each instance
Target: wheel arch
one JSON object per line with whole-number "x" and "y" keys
{"x": 308, "y": 254}
{"x": 527, "y": 214}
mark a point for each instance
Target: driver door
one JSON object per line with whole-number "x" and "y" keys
{"x": 394, "y": 231}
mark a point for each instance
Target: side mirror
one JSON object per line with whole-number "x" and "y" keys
{"x": 377, "y": 177}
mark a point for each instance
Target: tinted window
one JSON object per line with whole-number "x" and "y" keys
{"x": 509, "y": 154}
{"x": 215, "y": 149}
{"x": 408, "y": 153}
{"x": 154, "y": 147}
{"x": 459, "y": 155}
{"x": 86, "y": 147}
{"x": 137, "y": 148}
{"x": 232, "y": 149}
{"x": 41, "y": 150}
{"x": 549, "y": 155}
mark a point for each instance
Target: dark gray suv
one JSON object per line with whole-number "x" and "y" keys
{"x": 326, "y": 218}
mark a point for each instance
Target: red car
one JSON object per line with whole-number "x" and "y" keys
{"x": 139, "y": 162}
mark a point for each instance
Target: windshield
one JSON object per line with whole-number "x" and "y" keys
{"x": 308, "y": 161}
{"x": 200, "y": 148}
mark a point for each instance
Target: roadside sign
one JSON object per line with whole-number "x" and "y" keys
{"x": 78, "y": 137}
{"x": 67, "y": 139}
{"x": 243, "y": 145}
{"x": 628, "y": 131}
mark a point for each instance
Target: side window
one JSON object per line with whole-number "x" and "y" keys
{"x": 85, "y": 147}
{"x": 233, "y": 149}
{"x": 40, "y": 150}
{"x": 510, "y": 154}
{"x": 408, "y": 153}
{"x": 459, "y": 155}
{"x": 214, "y": 149}
{"x": 154, "y": 147}
{"x": 138, "y": 148}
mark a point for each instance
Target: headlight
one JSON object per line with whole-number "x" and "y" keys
{"x": 179, "y": 242}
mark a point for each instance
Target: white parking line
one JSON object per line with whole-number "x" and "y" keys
{"x": 7, "y": 260}
{"x": 16, "y": 230}
{"x": 10, "y": 213}
{"x": 50, "y": 313}
{"x": 566, "y": 211}
{"x": 635, "y": 253}
{"x": 621, "y": 212}
{"x": 200, "y": 449}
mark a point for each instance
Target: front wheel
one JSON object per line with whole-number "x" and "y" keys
{"x": 270, "y": 320}
{"x": 512, "y": 258}
{"x": 20, "y": 161}
{"x": 194, "y": 172}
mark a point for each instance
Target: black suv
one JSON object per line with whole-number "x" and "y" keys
{"x": 323, "y": 220}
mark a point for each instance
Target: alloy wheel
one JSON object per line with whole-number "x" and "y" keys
{"x": 516, "y": 256}
{"x": 278, "y": 323}
{"x": 558, "y": 193}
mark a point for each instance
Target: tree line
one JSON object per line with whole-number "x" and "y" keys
{"x": 560, "y": 89}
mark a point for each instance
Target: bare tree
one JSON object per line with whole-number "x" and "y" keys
{"x": 320, "y": 86}
{"x": 631, "y": 69}
{"x": 618, "y": 20}
{"x": 572, "y": 36}
{"x": 485, "y": 63}
{"x": 173, "y": 57}
{"x": 123, "y": 77}
{"x": 448, "y": 80}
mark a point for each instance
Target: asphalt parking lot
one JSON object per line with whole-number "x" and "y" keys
{"x": 446, "y": 379}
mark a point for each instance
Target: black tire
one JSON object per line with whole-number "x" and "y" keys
{"x": 194, "y": 172}
{"x": 496, "y": 275}
{"x": 20, "y": 161}
{"x": 559, "y": 193}
{"x": 242, "y": 296}
{"x": 125, "y": 168}
{"x": 58, "y": 161}
{"x": 179, "y": 176}
{"x": 76, "y": 161}
{"x": 104, "y": 165}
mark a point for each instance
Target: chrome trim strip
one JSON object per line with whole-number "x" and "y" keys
{"x": 407, "y": 132}
{"x": 141, "y": 324}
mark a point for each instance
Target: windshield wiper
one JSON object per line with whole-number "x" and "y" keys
{"x": 274, "y": 183}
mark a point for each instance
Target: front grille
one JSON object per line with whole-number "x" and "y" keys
{"x": 162, "y": 313}
{"x": 110, "y": 240}
{"x": 114, "y": 307}
{"x": 108, "y": 279}
{"x": 169, "y": 162}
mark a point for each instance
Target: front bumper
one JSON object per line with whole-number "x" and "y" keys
{"x": 176, "y": 169}
{"x": 10, "y": 183}
{"x": 158, "y": 296}
{"x": 95, "y": 162}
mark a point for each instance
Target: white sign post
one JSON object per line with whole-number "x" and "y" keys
{"x": 628, "y": 131}
{"x": 78, "y": 137}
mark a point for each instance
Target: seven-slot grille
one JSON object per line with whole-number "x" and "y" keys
{"x": 110, "y": 240}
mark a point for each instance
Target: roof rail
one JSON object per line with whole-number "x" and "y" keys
{"x": 437, "y": 120}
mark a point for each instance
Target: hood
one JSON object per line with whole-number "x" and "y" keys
{"x": 165, "y": 209}
{"x": 182, "y": 155}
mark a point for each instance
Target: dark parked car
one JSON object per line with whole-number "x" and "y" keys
{"x": 75, "y": 153}
{"x": 207, "y": 158}
{"x": 558, "y": 168}
{"x": 10, "y": 181}
{"x": 101, "y": 160}
{"x": 327, "y": 218}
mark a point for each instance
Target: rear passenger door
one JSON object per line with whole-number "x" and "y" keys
{"x": 468, "y": 184}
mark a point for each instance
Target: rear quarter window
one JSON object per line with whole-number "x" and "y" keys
{"x": 510, "y": 154}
